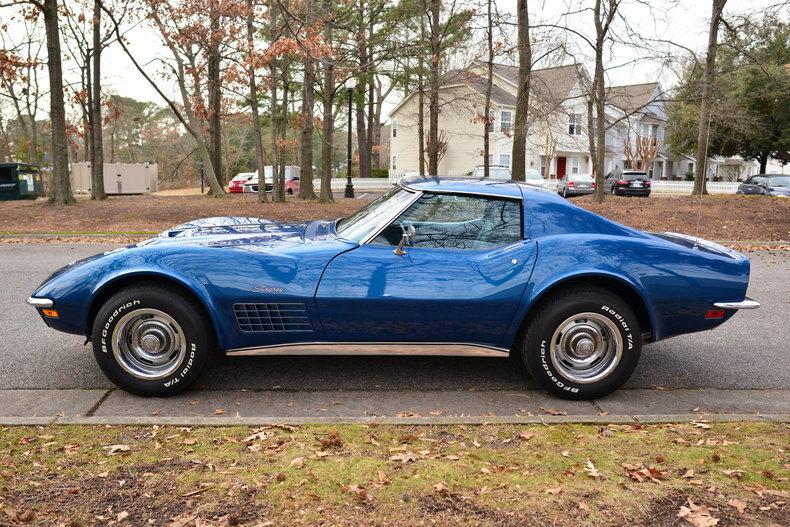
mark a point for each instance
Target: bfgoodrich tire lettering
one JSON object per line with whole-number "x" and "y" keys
{"x": 582, "y": 343}
{"x": 151, "y": 341}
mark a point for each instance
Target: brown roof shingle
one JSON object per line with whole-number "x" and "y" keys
{"x": 632, "y": 97}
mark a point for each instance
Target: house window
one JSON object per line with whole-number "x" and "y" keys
{"x": 491, "y": 120}
{"x": 575, "y": 124}
{"x": 543, "y": 166}
{"x": 504, "y": 160}
{"x": 691, "y": 167}
{"x": 506, "y": 121}
{"x": 650, "y": 130}
{"x": 394, "y": 162}
{"x": 574, "y": 165}
{"x": 394, "y": 128}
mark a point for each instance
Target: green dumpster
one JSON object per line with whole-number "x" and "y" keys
{"x": 19, "y": 181}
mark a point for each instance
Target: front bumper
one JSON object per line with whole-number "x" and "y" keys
{"x": 40, "y": 302}
{"x": 747, "y": 303}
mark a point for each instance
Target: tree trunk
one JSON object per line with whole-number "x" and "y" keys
{"x": 433, "y": 93}
{"x": 215, "y": 94}
{"x": 763, "y": 162}
{"x": 61, "y": 185}
{"x": 328, "y": 123}
{"x": 489, "y": 85}
{"x": 256, "y": 118}
{"x": 279, "y": 176}
{"x": 421, "y": 92}
{"x": 306, "y": 190}
{"x": 703, "y": 132}
{"x": 97, "y": 160}
{"x": 274, "y": 114}
{"x": 598, "y": 94}
{"x": 521, "y": 124}
{"x": 363, "y": 147}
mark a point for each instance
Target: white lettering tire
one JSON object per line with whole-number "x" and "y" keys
{"x": 582, "y": 342}
{"x": 151, "y": 340}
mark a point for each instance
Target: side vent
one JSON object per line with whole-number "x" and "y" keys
{"x": 269, "y": 318}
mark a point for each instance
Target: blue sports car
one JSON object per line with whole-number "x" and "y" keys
{"x": 441, "y": 266}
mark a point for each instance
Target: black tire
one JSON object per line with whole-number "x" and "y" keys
{"x": 565, "y": 193}
{"x": 540, "y": 351}
{"x": 168, "y": 314}
{"x": 290, "y": 191}
{"x": 614, "y": 191}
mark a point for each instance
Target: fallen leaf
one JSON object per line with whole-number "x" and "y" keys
{"x": 591, "y": 471}
{"x": 114, "y": 449}
{"x": 553, "y": 411}
{"x": 404, "y": 457}
{"x": 738, "y": 504}
{"x": 219, "y": 411}
{"x": 697, "y": 515}
{"x": 441, "y": 488}
{"x": 122, "y": 516}
{"x": 189, "y": 441}
{"x": 526, "y": 436}
{"x": 553, "y": 490}
{"x": 297, "y": 462}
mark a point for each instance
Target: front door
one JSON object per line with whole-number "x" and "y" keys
{"x": 561, "y": 166}
{"x": 461, "y": 280}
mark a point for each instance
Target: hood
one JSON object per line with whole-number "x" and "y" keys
{"x": 239, "y": 230}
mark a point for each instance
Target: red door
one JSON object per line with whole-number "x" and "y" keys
{"x": 561, "y": 167}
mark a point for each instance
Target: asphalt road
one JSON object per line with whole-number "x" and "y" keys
{"x": 751, "y": 351}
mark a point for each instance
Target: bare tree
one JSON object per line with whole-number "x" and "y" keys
{"x": 703, "y": 133}
{"x": 421, "y": 92}
{"x": 433, "y": 90}
{"x": 521, "y": 124}
{"x": 306, "y": 190}
{"x": 489, "y": 84}
{"x": 215, "y": 90}
{"x": 256, "y": 118}
{"x": 328, "y": 123}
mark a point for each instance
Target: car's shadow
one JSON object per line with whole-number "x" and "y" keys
{"x": 365, "y": 373}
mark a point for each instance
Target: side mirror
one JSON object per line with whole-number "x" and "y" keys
{"x": 409, "y": 232}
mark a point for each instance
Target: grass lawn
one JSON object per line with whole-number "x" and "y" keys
{"x": 566, "y": 475}
{"x": 730, "y": 217}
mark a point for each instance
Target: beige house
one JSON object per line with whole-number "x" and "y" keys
{"x": 557, "y": 141}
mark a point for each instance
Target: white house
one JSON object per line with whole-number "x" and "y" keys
{"x": 557, "y": 141}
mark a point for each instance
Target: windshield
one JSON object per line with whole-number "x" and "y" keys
{"x": 373, "y": 215}
{"x": 779, "y": 181}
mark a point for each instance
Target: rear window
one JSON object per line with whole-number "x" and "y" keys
{"x": 633, "y": 175}
{"x": 581, "y": 177}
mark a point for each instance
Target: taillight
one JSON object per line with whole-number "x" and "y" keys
{"x": 714, "y": 314}
{"x": 570, "y": 184}
{"x": 594, "y": 186}
{"x": 623, "y": 182}
{"x": 647, "y": 183}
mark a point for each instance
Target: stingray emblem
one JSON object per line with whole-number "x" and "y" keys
{"x": 262, "y": 288}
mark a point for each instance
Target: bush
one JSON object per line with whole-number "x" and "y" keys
{"x": 379, "y": 172}
{"x": 689, "y": 176}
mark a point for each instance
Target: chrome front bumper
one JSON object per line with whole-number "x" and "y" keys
{"x": 40, "y": 302}
{"x": 747, "y": 303}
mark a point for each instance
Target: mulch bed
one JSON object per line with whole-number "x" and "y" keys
{"x": 727, "y": 218}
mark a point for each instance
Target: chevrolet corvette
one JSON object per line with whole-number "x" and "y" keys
{"x": 447, "y": 266}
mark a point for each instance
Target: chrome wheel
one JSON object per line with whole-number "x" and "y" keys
{"x": 148, "y": 344}
{"x": 586, "y": 347}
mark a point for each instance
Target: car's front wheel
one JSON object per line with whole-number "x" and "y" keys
{"x": 582, "y": 343}
{"x": 151, "y": 340}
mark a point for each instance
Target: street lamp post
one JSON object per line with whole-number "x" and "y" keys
{"x": 350, "y": 84}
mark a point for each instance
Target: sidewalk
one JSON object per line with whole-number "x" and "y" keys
{"x": 42, "y": 407}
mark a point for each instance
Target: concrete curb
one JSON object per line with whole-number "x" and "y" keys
{"x": 425, "y": 421}
{"x": 255, "y": 408}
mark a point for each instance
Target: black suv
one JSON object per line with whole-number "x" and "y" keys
{"x": 627, "y": 183}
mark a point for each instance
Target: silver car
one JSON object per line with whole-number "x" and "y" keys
{"x": 575, "y": 185}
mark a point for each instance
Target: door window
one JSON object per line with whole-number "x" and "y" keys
{"x": 448, "y": 221}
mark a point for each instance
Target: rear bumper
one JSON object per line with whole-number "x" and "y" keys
{"x": 579, "y": 191}
{"x": 633, "y": 191}
{"x": 747, "y": 303}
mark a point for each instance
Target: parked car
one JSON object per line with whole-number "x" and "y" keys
{"x": 292, "y": 180}
{"x": 236, "y": 185}
{"x": 575, "y": 185}
{"x": 627, "y": 183}
{"x": 767, "y": 184}
{"x": 533, "y": 178}
{"x": 501, "y": 172}
{"x": 434, "y": 266}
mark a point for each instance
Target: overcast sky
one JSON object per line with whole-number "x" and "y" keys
{"x": 685, "y": 23}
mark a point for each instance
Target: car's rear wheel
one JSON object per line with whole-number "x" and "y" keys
{"x": 151, "y": 341}
{"x": 582, "y": 343}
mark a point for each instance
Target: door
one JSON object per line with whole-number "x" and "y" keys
{"x": 461, "y": 280}
{"x": 561, "y": 166}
